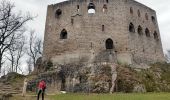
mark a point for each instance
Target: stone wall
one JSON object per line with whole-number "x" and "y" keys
{"x": 144, "y": 49}
{"x": 87, "y": 33}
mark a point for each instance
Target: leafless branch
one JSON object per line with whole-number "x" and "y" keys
{"x": 11, "y": 27}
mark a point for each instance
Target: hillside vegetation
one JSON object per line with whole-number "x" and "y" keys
{"x": 154, "y": 79}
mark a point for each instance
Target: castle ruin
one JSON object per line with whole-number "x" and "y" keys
{"x": 82, "y": 35}
{"x": 93, "y": 31}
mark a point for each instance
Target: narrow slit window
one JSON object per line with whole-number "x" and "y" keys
{"x": 131, "y": 10}
{"x": 72, "y": 21}
{"x": 78, "y": 8}
{"x": 146, "y": 16}
{"x": 104, "y": 8}
{"x": 147, "y": 32}
{"x": 102, "y": 27}
{"x": 139, "y": 13}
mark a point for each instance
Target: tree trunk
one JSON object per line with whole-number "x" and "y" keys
{"x": 12, "y": 64}
{"x": 0, "y": 62}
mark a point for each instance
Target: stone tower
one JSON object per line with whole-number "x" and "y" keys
{"x": 101, "y": 31}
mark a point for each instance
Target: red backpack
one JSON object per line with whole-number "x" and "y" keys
{"x": 42, "y": 85}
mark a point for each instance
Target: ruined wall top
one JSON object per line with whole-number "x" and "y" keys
{"x": 133, "y": 2}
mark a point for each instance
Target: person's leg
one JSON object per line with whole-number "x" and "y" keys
{"x": 42, "y": 95}
{"x": 39, "y": 92}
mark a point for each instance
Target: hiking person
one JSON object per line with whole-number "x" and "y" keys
{"x": 24, "y": 87}
{"x": 41, "y": 89}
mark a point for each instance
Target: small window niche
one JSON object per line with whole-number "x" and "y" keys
{"x": 104, "y": 8}
{"x": 58, "y": 13}
{"x": 63, "y": 34}
{"x": 131, "y": 10}
{"x": 155, "y": 34}
{"x": 147, "y": 32}
{"x": 139, "y": 13}
{"x": 146, "y": 16}
{"x": 107, "y": 1}
{"x": 153, "y": 19}
{"x": 72, "y": 21}
{"x": 91, "y": 8}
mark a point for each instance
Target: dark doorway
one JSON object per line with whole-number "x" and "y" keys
{"x": 109, "y": 44}
{"x": 63, "y": 84}
{"x": 63, "y": 34}
{"x": 63, "y": 80}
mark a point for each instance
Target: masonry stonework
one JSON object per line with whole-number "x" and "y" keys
{"x": 73, "y": 34}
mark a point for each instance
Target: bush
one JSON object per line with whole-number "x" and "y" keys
{"x": 49, "y": 65}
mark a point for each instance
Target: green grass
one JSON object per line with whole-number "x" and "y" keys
{"x": 119, "y": 96}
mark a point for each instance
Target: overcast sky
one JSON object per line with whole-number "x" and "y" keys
{"x": 38, "y": 7}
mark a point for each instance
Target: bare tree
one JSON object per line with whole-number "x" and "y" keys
{"x": 11, "y": 26}
{"x": 3, "y": 73}
{"x": 35, "y": 47}
{"x": 29, "y": 64}
{"x": 16, "y": 52}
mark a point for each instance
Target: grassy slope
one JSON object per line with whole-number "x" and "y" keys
{"x": 147, "y": 96}
{"x": 160, "y": 96}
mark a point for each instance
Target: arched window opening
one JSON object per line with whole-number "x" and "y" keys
{"x": 138, "y": 13}
{"x": 107, "y": 1}
{"x": 131, "y": 28}
{"x": 102, "y": 27}
{"x": 63, "y": 34}
{"x": 156, "y": 35}
{"x": 109, "y": 44}
{"x": 78, "y": 8}
{"x": 146, "y": 16}
{"x": 104, "y": 8}
{"x": 131, "y": 10}
{"x": 153, "y": 19}
{"x": 58, "y": 12}
{"x": 147, "y": 32}
{"x": 91, "y": 8}
{"x": 140, "y": 30}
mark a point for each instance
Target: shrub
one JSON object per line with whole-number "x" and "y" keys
{"x": 49, "y": 65}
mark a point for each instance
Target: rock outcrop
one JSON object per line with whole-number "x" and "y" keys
{"x": 96, "y": 78}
